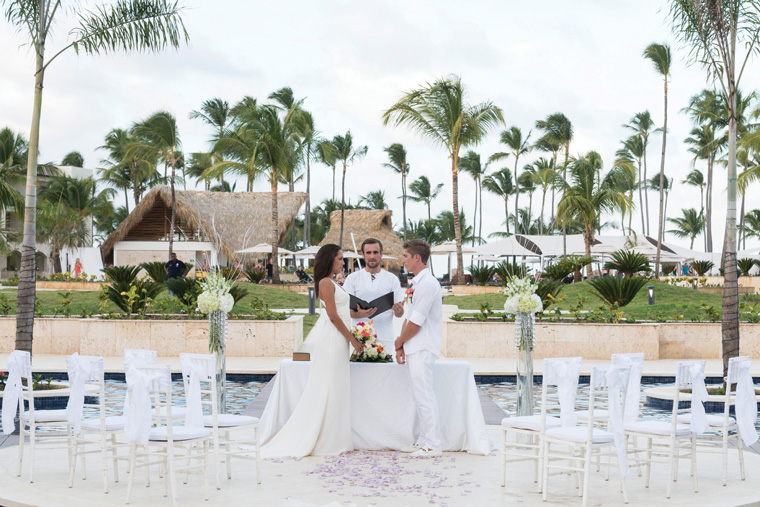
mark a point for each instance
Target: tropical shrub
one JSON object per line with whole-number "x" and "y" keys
{"x": 576, "y": 263}
{"x": 628, "y": 262}
{"x": 668, "y": 268}
{"x": 745, "y": 265}
{"x": 617, "y": 291}
{"x": 185, "y": 289}
{"x": 548, "y": 290}
{"x": 506, "y": 270}
{"x": 122, "y": 274}
{"x": 557, "y": 271}
{"x": 255, "y": 275}
{"x": 702, "y": 267}
{"x": 155, "y": 271}
{"x": 482, "y": 276}
{"x": 126, "y": 291}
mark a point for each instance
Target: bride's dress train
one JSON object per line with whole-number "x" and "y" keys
{"x": 321, "y": 422}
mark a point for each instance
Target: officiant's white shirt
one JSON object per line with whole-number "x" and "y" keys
{"x": 362, "y": 285}
{"x": 426, "y": 310}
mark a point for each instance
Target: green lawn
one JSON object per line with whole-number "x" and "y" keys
{"x": 670, "y": 302}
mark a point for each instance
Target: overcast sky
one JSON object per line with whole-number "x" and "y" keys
{"x": 354, "y": 59}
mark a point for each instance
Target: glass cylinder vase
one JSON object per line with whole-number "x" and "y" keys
{"x": 524, "y": 326}
{"x": 217, "y": 326}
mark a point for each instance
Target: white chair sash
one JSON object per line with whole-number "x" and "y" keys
{"x": 698, "y": 397}
{"x": 81, "y": 370}
{"x": 19, "y": 366}
{"x": 617, "y": 380}
{"x": 140, "y": 384}
{"x": 633, "y": 393}
{"x": 564, "y": 374}
{"x": 195, "y": 368}
{"x": 746, "y": 403}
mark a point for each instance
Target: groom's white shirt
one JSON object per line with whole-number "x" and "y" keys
{"x": 425, "y": 310}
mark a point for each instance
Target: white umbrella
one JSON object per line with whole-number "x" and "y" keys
{"x": 308, "y": 252}
{"x": 450, "y": 247}
{"x": 264, "y": 248}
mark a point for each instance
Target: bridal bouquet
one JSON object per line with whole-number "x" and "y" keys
{"x": 373, "y": 351}
{"x": 522, "y": 297}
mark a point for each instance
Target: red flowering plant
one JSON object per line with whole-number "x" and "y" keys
{"x": 373, "y": 351}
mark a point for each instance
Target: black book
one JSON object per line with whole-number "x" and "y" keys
{"x": 383, "y": 303}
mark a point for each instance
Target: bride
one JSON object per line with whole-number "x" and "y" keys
{"x": 321, "y": 422}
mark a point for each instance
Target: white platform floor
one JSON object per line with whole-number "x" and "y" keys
{"x": 373, "y": 479}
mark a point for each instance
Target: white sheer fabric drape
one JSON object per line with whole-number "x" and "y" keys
{"x": 82, "y": 369}
{"x": 140, "y": 384}
{"x": 746, "y": 403}
{"x": 564, "y": 373}
{"x": 19, "y": 366}
{"x": 699, "y": 396}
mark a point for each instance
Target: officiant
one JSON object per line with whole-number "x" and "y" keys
{"x": 372, "y": 283}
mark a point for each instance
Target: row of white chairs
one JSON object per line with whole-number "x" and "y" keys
{"x": 151, "y": 428}
{"x": 613, "y": 428}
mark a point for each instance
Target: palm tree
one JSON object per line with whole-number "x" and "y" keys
{"x": 310, "y": 142}
{"x": 586, "y": 201}
{"x": 397, "y": 161}
{"x": 513, "y": 139}
{"x": 654, "y": 184}
{"x": 470, "y": 164}
{"x": 446, "y": 227}
{"x": 125, "y": 164}
{"x": 424, "y": 229}
{"x": 624, "y": 179}
{"x": 558, "y": 129}
{"x": 422, "y": 191}
{"x": 752, "y": 223}
{"x": 634, "y": 149}
{"x": 347, "y": 153}
{"x": 216, "y": 114}
{"x": 544, "y": 176}
{"x": 548, "y": 144}
{"x": 705, "y": 146}
{"x": 697, "y": 179}
{"x": 374, "y": 200}
{"x": 500, "y": 183}
{"x": 130, "y": 25}
{"x": 198, "y": 164}
{"x": 659, "y": 55}
{"x": 691, "y": 225}
{"x": 642, "y": 124}
{"x": 74, "y": 159}
{"x": 439, "y": 112}
{"x": 527, "y": 186}
{"x": 14, "y": 149}
{"x": 158, "y": 138}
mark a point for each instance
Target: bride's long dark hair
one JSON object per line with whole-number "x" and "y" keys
{"x": 323, "y": 263}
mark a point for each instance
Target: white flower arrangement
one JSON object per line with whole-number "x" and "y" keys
{"x": 521, "y": 297}
{"x": 216, "y": 293}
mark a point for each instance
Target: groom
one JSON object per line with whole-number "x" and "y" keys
{"x": 420, "y": 345}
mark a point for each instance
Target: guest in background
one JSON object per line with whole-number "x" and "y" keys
{"x": 77, "y": 268}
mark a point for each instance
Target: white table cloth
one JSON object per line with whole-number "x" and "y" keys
{"x": 383, "y": 415}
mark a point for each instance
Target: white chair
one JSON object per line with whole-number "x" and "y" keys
{"x": 633, "y": 393}
{"x": 532, "y": 427}
{"x": 94, "y": 435}
{"x": 203, "y": 368}
{"x": 723, "y": 424}
{"x": 137, "y": 357}
{"x": 668, "y": 441}
{"x": 581, "y": 444}
{"x": 154, "y": 440}
{"x": 20, "y": 367}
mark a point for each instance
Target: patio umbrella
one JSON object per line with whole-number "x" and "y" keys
{"x": 264, "y": 248}
{"x": 447, "y": 248}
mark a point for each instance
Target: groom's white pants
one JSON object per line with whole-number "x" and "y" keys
{"x": 420, "y": 366}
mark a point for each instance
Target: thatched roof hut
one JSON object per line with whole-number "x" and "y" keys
{"x": 240, "y": 219}
{"x": 367, "y": 223}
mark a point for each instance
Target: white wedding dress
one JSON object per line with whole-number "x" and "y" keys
{"x": 321, "y": 422}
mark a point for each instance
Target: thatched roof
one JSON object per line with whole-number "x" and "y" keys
{"x": 240, "y": 219}
{"x": 366, "y": 224}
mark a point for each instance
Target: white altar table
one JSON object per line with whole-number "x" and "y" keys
{"x": 383, "y": 415}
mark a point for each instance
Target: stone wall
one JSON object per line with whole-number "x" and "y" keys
{"x": 109, "y": 338}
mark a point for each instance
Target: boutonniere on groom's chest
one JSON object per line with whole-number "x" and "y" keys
{"x": 409, "y": 294}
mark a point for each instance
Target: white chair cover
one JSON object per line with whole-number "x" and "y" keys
{"x": 633, "y": 393}
{"x": 696, "y": 372}
{"x": 746, "y": 403}
{"x": 133, "y": 358}
{"x": 19, "y": 366}
{"x": 563, "y": 373}
{"x": 81, "y": 370}
{"x": 616, "y": 380}
{"x": 195, "y": 368}
{"x": 140, "y": 384}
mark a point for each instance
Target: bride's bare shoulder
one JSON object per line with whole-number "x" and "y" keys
{"x": 326, "y": 286}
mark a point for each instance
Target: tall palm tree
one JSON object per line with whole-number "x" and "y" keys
{"x": 706, "y": 146}
{"x": 158, "y": 137}
{"x": 545, "y": 177}
{"x": 752, "y": 223}
{"x": 425, "y": 230}
{"x": 500, "y": 183}
{"x": 690, "y": 225}
{"x": 126, "y": 163}
{"x": 422, "y": 191}
{"x": 527, "y": 186}
{"x": 584, "y": 200}
{"x": 643, "y": 125}
{"x": 634, "y": 149}
{"x": 197, "y": 167}
{"x": 471, "y": 164}
{"x": 216, "y": 114}
{"x": 558, "y": 128}
{"x": 310, "y": 142}
{"x": 659, "y": 55}
{"x": 326, "y": 155}
{"x": 696, "y": 178}
{"x": 439, "y": 112}
{"x": 513, "y": 139}
{"x": 347, "y": 153}
{"x": 624, "y": 179}
{"x": 548, "y": 144}
{"x": 397, "y": 161}
{"x": 654, "y": 184}
{"x": 130, "y": 25}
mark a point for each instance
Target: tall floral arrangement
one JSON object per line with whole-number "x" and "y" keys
{"x": 522, "y": 297}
